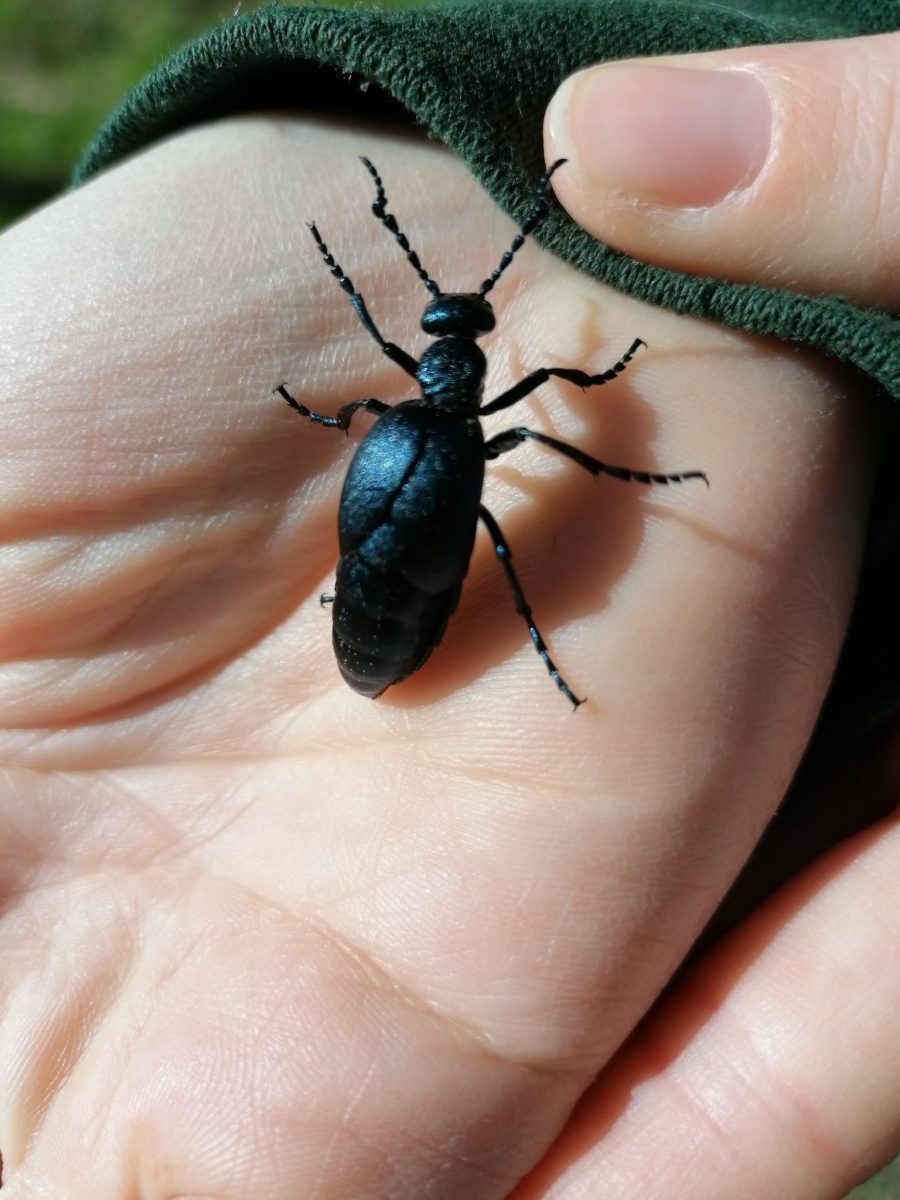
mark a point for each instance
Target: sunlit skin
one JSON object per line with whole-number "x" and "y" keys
{"x": 261, "y": 937}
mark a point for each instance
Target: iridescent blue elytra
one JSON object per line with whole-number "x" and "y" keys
{"x": 412, "y": 496}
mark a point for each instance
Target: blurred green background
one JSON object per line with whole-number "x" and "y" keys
{"x": 63, "y": 65}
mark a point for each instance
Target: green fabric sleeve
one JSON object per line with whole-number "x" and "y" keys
{"x": 478, "y": 74}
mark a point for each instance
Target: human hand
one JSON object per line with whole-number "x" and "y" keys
{"x": 771, "y": 164}
{"x": 260, "y": 937}
{"x": 771, "y": 1070}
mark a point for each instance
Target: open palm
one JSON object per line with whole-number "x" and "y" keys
{"x": 259, "y": 936}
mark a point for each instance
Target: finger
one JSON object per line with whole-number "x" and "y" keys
{"x": 779, "y": 164}
{"x": 773, "y": 1070}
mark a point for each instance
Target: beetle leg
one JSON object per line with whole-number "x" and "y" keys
{"x": 344, "y": 416}
{"x": 520, "y": 390}
{"x": 326, "y": 598}
{"x": 370, "y": 404}
{"x": 510, "y": 438}
{"x": 522, "y": 607}
{"x": 394, "y": 353}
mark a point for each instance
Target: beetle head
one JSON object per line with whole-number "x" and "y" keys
{"x": 466, "y": 314}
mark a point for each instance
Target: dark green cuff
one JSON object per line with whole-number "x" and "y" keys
{"x": 478, "y": 74}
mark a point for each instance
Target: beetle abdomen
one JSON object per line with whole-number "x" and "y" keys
{"x": 384, "y": 627}
{"x": 407, "y": 526}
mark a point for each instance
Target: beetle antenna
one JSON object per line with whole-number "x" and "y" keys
{"x": 389, "y": 221}
{"x": 534, "y": 218}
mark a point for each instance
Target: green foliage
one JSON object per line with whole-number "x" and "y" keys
{"x": 66, "y": 65}
{"x": 885, "y": 1186}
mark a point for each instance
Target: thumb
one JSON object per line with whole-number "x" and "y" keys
{"x": 773, "y": 164}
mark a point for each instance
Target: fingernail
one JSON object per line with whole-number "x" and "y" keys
{"x": 673, "y": 135}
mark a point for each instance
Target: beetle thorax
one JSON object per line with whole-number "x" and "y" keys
{"x": 451, "y": 373}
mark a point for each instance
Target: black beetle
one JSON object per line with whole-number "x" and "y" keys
{"x": 412, "y": 496}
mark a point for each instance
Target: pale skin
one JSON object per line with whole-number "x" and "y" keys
{"x": 263, "y": 938}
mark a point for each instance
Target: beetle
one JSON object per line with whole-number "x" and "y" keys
{"x": 411, "y": 499}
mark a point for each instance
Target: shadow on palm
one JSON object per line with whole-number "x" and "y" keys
{"x": 431, "y": 912}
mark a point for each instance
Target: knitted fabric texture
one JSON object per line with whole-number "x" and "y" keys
{"x": 478, "y": 74}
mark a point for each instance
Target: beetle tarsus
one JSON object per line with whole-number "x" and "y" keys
{"x": 510, "y": 438}
{"x": 527, "y": 385}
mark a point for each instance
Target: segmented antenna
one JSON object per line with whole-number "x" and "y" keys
{"x": 537, "y": 214}
{"x": 388, "y": 220}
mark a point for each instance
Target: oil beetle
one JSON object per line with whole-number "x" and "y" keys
{"x": 412, "y": 496}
